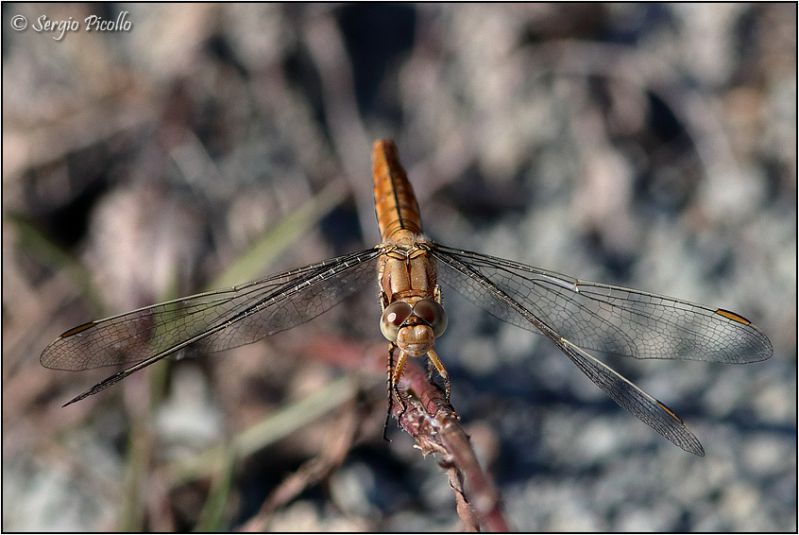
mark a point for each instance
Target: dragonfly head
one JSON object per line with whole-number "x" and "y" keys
{"x": 413, "y": 328}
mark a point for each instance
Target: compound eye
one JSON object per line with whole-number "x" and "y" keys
{"x": 393, "y": 317}
{"x": 433, "y": 314}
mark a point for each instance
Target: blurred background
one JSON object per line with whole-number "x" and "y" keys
{"x": 652, "y": 146}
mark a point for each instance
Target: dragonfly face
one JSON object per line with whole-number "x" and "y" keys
{"x": 414, "y": 328}
{"x": 578, "y": 316}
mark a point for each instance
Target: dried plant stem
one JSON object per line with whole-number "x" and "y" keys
{"x": 434, "y": 425}
{"x": 465, "y": 511}
{"x": 337, "y": 445}
{"x": 424, "y": 413}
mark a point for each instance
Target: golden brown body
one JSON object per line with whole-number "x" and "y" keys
{"x": 406, "y": 271}
{"x": 395, "y": 204}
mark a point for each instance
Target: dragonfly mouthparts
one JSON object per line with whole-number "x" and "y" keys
{"x": 416, "y": 340}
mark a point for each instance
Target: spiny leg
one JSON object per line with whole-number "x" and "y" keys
{"x": 395, "y": 377}
{"x": 389, "y": 385}
{"x": 432, "y": 356}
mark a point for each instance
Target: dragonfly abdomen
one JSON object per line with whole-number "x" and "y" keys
{"x": 395, "y": 203}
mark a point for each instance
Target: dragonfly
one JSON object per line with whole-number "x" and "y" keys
{"x": 579, "y": 317}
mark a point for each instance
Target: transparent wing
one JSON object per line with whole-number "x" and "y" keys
{"x": 628, "y": 395}
{"x": 605, "y": 318}
{"x": 611, "y": 319}
{"x": 213, "y": 321}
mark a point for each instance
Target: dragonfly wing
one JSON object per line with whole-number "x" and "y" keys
{"x": 624, "y": 392}
{"x": 500, "y": 303}
{"x": 610, "y": 319}
{"x": 214, "y": 320}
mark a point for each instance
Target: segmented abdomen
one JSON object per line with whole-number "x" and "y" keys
{"x": 395, "y": 204}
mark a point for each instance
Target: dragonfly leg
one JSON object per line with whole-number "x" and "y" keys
{"x": 394, "y": 373}
{"x": 389, "y": 389}
{"x": 395, "y": 377}
{"x": 432, "y": 356}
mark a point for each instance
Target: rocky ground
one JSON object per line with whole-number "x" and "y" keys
{"x": 652, "y": 146}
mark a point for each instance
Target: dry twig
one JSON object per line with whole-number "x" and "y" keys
{"x": 435, "y": 426}
{"x": 337, "y": 445}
